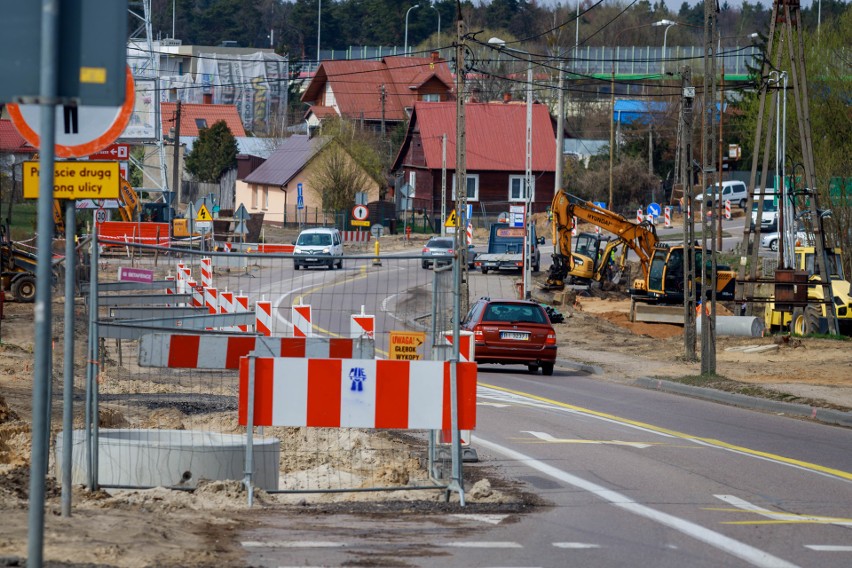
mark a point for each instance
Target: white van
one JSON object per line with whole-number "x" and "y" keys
{"x": 733, "y": 191}
{"x": 316, "y": 247}
{"x": 769, "y": 218}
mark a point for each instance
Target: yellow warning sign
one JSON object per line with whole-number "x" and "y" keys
{"x": 452, "y": 220}
{"x": 406, "y": 345}
{"x": 203, "y": 214}
{"x": 75, "y": 180}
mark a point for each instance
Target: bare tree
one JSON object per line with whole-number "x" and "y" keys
{"x": 337, "y": 177}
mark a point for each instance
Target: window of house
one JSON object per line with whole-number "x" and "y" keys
{"x": 412, "y": 181}
{"x": 201, "y": 123}
{"x": 254, "y": 197}
{"x": 431, "y": 98}
{"x": 265, "y": 198}
{"x": 516, "y": 188}
{"x": 472, "y": 187}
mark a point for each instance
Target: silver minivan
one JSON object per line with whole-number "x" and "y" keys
{"x": 733, "y": 191}
{"x": 318, "y": 247}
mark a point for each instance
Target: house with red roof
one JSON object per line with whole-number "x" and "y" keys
{"x": 495, "y": 150}
{"x": 196, "y": 117}
{"x": 13, "y": 147}
{"x": 376, "y": 91}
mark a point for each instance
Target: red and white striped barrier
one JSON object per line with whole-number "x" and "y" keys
{"x": 223, "y": 352}
{"x": 727, "y": 209}
{"x": 241, "y": 305}
{"x": 667, "y": 217}
{"x": 197, "y": 294}
{"x": 263, "y": 317}
{"x": 597, "y": 230}
{"x": 467, "y": 347}
{"x": 275, "y": 248}
{"x": 355, "y": 236}
{"x": 207, "y": 272}
{"x": 226, "y": 306}
{"x": 574, "y": 228}
{"x": 300, "y": 315}
{"x": 639, "y": 216}
{"x": 211, "y": 300}
{"x": 357, "y": 393}
{"x": 362, "y": 325}
{"x": 469, "y": 232}
{"x": 171, "y": 287}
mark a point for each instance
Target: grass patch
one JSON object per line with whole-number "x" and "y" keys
{"x": 23, "y": 219}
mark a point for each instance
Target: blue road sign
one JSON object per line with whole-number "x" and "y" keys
{"x": 300, "y": 203}
{"x": 601, "y": 204}
{"x": 654, "y": 209}
{"x": 299, "y": 191}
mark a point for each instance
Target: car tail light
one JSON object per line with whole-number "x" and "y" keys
{"x": 550, "y": 339}
{"x": 478, "y": 333}
{"x": 425, "y": 249}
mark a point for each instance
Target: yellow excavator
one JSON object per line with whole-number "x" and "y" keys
{"x": 662, "y": 265}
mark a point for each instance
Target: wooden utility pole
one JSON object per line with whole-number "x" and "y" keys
{"x": 611, "y": 136}
{"x": 461, "y": 158}
{"x": 686, "y": 118}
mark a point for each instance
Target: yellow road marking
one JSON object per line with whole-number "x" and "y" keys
{"x": 674, "y": 433}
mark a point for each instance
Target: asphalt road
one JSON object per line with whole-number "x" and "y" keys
{"x": 627, "y": 476}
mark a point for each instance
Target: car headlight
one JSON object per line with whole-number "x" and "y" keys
{"x": 326, "y": 250}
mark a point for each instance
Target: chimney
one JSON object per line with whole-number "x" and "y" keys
{"x": 435, "y": 56}
{"x": 207, "y": 99}
{"x": 507, "y": 97}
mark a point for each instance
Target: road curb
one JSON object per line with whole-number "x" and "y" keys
{"x": 591, "y": 369}
{"x": 824, "y": 415}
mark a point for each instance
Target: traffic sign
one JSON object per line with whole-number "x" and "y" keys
{"x": 406, "y": 345}
{"x": 452, "y": 219}
{"x": 100, "y": 216}
{"x": 242, "y": 214}
{"x": 112, "y": 152}
{"x": 240, "y": 228}
{"x": 80, "y": 131}
{"x": 654, "y": 209}
{"x": 361, "y": 223}
{"x": 203, "y": 226}
{"x": 203, "y": 214}
{"x": 360, "y": 213}
{"x": 75, "y": 180}
{"x": 377, "y": 230}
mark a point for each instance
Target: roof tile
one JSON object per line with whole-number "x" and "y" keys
{"x": 212, "y": 114}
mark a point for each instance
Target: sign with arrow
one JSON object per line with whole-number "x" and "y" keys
{"x": 406, "y": 345}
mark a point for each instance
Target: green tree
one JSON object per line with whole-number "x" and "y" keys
{"x": 214, "y": 153}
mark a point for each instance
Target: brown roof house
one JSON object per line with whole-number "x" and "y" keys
{"x": 495, "y": 136}
{"x": 373, "y": 91}
{"x": 274, "y": 187}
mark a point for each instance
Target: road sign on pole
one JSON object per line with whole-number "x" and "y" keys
{"x": 82, "y": 130}
{"x": 75, "y": 180}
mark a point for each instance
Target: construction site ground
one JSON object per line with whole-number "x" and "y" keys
{"x": 160, "y": 527}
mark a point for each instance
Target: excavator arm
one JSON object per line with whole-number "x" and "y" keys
{"x": 639, "y": 237}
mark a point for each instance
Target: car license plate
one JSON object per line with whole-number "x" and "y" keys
{"x": 516, "y": 335}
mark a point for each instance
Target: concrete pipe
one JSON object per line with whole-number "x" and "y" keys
{"x": 740, "y": 326}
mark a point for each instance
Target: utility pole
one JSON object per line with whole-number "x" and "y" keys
{"x": 720, "y": 206}
{"x": 708, "y": 155}
{"x": 176, "y": 158}
{"x": 686, "y": 118}
{"x": 382, "y": 98}
{"x": 443, "y": 184}
{"x": 560, "y": 129}
{"x": 461, "y": 158}
{"x": 611, "y": 135}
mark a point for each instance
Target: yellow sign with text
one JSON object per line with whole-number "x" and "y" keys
{"x": 406, "y": 345}
{"x": 75, "y": 180}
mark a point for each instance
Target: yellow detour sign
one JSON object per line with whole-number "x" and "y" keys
{"x": 452, "y": 220}
{"x": 406, "y": 345}
{"x": 75, "y": 180}
{"x": 203, "y": 214}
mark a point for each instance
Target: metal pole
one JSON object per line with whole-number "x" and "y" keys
{"x": 42, "y": 312}
{"x": 92, "y": 350}
{"x": 560, "y": 129}
{"x": 249, "y": 464}
{"x": 528, "y": 182}
{"x": 319, "y": 22}
{"x": 405, "y": 49}
{"x": 443, "y": 184}
{"x": 68, "y": 376}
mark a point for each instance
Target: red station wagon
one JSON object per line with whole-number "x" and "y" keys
{"x": 512, "y": 332}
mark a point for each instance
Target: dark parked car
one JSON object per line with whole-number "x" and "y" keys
{"x": 440, "y": 250}
{"x": 512, "y": 332}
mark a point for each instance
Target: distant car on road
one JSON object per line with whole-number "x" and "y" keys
{"x": 770, "y": 241}
{"x": 512, "y": 332}
{"x": 317, "y": 247}
{"x": 441, "y": 250}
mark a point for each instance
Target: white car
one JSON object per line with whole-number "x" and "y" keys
{"x": 317, "y": 247}
{"x": 732, "y": 190}
{"x": 770, "y": 240}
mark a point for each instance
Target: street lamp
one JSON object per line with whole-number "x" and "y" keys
{"x": 439, "y": 22}
{"x": 405, "y": 49}
{"x": 501, "y": 45}
{"x": 668, "y": 24}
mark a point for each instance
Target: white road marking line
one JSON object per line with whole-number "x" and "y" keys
{"x": 786, "y": 517}
{"x": 482, "y": 544}
{"x": 575, "y": 545}
{"x": 549, "y": 438}
{"x": 292, "y": 544}
{"x": 829, "y": 548}
{"x": 490, "y": 519}
{"x": 741, "y": 550}
{"x": 494, "y": 404}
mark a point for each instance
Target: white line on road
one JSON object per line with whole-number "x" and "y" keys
{"x": 575, "y": 545}
{"x": 292, "y": 544}
{"x": 550, "y": 438}
{"x": 482, "y": 544}
{"x": 490, "y": 519}
{"x": 741, "y": 550}
{"x": 782, "y": 517}
{"x": 829, "y": 548}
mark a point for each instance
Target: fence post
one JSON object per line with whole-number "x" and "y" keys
{"x": 250, "y": 430}
{"x": 91, "y": 364}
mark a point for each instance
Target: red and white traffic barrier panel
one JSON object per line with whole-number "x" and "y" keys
{"x": 467, "y": 345}
{"x": 263, "y": 317}
{"x": 226, "y": 306}
{"x": 197, "y": 294}
{"x": 300, "y": 315}
{"x": 355, "y": 236}
{"x": 241, "y": 305}
{"x": 574, "y": 228}
{"x": 362, "y": 325}
{"x": 211, "y": 300}
{"x": 727, "y": 209}
{"x": 667, "y": 217}
{"x": 196, "y": 351}
{"x": 469, "y": 232}
{"x": 207, "y": 272}
{"x": 639, "y": 216}
{"x": 357, "y": 393}
{"x": 171, "y": 287}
